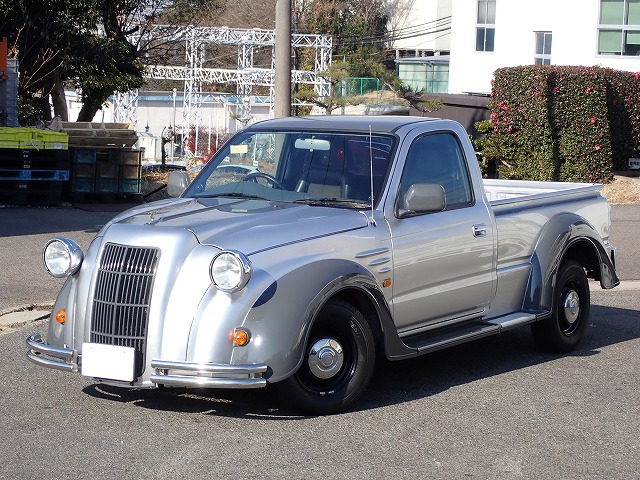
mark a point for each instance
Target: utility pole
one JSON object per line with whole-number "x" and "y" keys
{"x": 282, "y": 107}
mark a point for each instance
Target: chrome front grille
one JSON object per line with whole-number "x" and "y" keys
{"x": 122, "y": 296}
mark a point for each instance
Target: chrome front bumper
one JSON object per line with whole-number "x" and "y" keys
{"x": 208, "y": 375}
{"x": 167, "y": 373}
{"x": 49, "y": 356}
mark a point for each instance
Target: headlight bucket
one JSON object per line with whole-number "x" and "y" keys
{"x": 62, "y": 257}
{"x": 230, "y": 270}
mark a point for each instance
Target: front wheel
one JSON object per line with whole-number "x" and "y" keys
{"x": 563, "y": 330}
{"x": 338, "y": 361}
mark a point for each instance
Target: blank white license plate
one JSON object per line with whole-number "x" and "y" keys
{"x": 108, "y": 361}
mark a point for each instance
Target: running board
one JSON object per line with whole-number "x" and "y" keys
{"x": 432, "y": 341}
{"x": 513, "y": 320}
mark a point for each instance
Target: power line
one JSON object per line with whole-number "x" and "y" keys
{"x": 446, "y": 27}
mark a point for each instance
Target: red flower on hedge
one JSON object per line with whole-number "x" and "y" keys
{"x": 597, "y": 147}
{"x": 594, "y": 119}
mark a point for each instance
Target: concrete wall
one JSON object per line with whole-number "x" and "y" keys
{"x": 465, "y": 109}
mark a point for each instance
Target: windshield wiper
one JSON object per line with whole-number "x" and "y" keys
{"x": 333, "y": 202}
{"x": 231, "y": 195}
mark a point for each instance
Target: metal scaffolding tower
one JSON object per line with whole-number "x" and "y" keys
{"x": 125, "y": 106}
{"x": 245, "y": 76}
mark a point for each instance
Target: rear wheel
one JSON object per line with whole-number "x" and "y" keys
{"x": 338, "y": 361}
{"x": 563, "y": 330}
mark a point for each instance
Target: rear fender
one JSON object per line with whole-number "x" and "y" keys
{"x": 566, "y": 236}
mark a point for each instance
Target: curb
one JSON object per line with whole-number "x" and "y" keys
{"x": 26, "y": 308}
{"x": 19, "y": 316}
{"x": 625, "y": 286}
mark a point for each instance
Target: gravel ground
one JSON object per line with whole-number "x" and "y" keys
{"x": 623, "y": 190}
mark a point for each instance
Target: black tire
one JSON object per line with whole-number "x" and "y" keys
{"x": 564, "y": 329}
{"x": 330, "y": 386}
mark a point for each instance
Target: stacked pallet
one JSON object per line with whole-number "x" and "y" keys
{"x": 86, "y": 161}
{"x": 34, "y": 166}
{"x": 100, "y": 135}
{"x": 109, "y": 174}
{"x": 105, "y": 167}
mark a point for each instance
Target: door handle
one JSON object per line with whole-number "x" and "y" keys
{"x": 480, "y": 230}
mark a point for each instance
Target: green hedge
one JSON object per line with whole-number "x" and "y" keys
{"x": 563, "y": 123}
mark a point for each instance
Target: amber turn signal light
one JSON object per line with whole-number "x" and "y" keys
{"x": 240, "y": 337}
{"x": 61, "y": 316}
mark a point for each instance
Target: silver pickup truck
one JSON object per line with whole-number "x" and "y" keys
{"x": 306, "y": 247}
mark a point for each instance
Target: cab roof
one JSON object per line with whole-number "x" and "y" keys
{"x": 351, "y": 123}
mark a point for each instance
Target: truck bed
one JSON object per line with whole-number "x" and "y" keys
{"x": 522, "y": 210}
{"x": 508, "y": 192}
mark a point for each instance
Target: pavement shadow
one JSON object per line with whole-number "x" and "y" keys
{"x": 19, "y": 221}
{"x": 394, "y": 383}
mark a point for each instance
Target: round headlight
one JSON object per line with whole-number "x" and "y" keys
{"x": 230, "y": 270}
{"x": 62, "y": 257}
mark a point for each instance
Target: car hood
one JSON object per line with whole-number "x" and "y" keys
{"x": 245, "y": 225}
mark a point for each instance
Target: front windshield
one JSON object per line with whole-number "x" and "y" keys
{"x": 331, "y": 168}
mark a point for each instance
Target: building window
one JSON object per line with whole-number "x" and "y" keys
{"x": 542, "y": 55}
{"x": 425, "y": 76}
{"x": 485, "y": 25}
{"x": 619, "y": 27}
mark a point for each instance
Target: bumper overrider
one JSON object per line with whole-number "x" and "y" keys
{"x": 167, "y": 373}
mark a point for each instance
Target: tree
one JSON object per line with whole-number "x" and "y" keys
{"x": 359, "y": 35}
{"x": 98, "y": 46}
{"x": 357, "y": 26}
{"x": 125, "y": 48}
{"x": 419, "y": 100}
{"x": 335, "y": 75}
{"x": 40, "y": 35}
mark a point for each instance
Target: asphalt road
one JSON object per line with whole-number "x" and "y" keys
{"x": 495, "y": 408}
{"x": 625, "y": 234}
{"x": 23, "y": 233}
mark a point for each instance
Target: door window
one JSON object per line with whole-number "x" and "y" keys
{"x": 437, "y": 158}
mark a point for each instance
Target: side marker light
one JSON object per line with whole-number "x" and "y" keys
{"x": 240, "y": 337}
{"x": 61, "y": 316}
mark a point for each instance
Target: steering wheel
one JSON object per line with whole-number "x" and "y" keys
{"x": 271, "y": 182}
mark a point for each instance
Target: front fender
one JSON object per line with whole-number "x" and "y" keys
{"x": 280, "y": 320}
{"x": 565, "y": 234}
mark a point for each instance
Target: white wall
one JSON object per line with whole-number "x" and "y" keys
{"x": 573, "y": 24}
{"x": 417, "y": 14}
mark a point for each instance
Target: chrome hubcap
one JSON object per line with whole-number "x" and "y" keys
{"x": 571, "y": 306}
{"x": 325, "y": 358}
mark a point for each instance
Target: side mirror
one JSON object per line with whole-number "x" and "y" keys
{"x": 422, "y": 198}
{"x": 177, "y": 183}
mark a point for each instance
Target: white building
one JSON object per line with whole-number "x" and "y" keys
{"x": 489, "y": 34}
{"x": 421, "y": 37}
{"x": 421, "y": 28}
